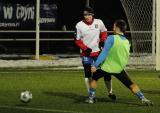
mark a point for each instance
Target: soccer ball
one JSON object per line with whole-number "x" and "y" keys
{"x": 25, "y": 96}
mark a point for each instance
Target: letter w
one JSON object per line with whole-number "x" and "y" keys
{"x": 7, "y": 12}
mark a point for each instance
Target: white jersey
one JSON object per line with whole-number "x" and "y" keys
{"x": 90, "y": 34}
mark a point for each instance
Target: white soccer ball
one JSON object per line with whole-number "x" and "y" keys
{"x": 26, "y": 96}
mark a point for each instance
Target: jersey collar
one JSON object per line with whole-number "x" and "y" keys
{"x": 88, "y": 23}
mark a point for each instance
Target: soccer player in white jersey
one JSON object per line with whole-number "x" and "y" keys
{"x": 89, "y": 37}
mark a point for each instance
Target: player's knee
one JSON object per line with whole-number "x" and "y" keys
{"x": 134, "y": 88}
{"x": 93, "y": 84}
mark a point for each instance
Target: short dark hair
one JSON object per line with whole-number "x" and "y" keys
{"x": 121, "y": 24}
{"x": 89, "y": 10}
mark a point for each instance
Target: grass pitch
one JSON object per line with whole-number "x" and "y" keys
{"x": 65, "y": 92}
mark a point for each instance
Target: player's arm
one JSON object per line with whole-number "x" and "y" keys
{"x": 103, "y": 34}
{"x": 80, "y": 43}
{"x": 108, "y": 44}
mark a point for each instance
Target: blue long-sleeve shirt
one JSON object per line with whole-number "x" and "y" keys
{"x": 108, "y": 44}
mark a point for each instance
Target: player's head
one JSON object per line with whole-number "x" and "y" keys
{"x": 120, "y": 26}
{"x": 88, "y": 14}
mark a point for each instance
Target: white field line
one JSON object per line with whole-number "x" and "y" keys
{"x": 38, "y": 109}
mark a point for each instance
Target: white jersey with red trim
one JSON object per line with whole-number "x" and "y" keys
{"x": 90, "y": 34}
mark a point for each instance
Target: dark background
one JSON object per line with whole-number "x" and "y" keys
{"x": 107, "y": 10}
{"x": 69, "y": 12}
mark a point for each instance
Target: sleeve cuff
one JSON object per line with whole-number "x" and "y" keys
{"x": 96, "y": 66}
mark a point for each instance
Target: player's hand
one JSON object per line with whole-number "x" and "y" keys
{"x": 93, "y": 69}
{"x": 101, "y": 44}
{"x": 88, "y": 51}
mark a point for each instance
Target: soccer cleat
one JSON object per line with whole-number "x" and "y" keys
{"x": 90, "y": 100}
{"x": 112, "y": 96}
{"x": 147, "y": 102}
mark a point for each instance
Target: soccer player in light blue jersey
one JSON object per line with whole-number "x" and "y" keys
{"x": 112, "y": 61}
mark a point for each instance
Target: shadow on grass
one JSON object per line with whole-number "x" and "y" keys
{"x": 81, "y": 99}
{"x": 75, "y": 97}
{"x": 151, "y": 91}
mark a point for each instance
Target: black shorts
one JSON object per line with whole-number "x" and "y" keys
{"x": 87, "y": 65}
{"x": 123, "y": 76}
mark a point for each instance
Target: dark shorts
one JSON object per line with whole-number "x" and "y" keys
{"x": 123, "y": 76}
{"x": 87, "y": 63}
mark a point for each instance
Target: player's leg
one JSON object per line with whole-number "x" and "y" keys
{"x": 96, "y": 76}
{"x": 87, "y": 72}
{"x": 124, "y": 78}
{"x": 136, "y": 90}
{"x": 108, "y": 83}
{"x": 93, "y": 85}
{"x": 87, "y": 61}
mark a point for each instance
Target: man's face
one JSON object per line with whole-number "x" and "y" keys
{"x": 88, "y": 16}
